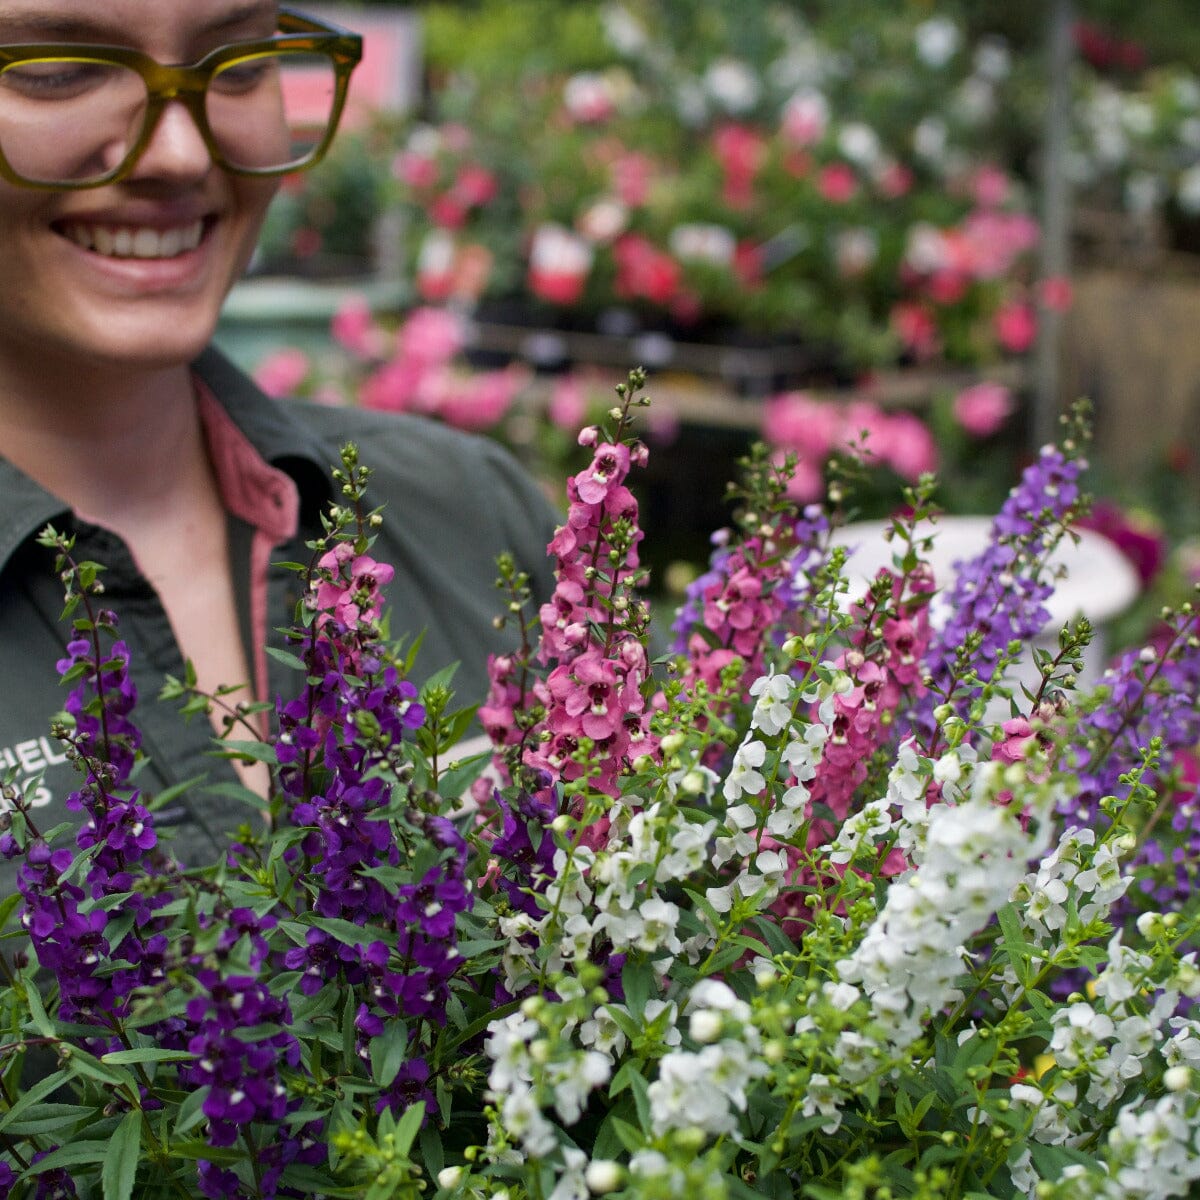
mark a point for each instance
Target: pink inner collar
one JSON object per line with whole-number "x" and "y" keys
{"x": 264, "y": 497}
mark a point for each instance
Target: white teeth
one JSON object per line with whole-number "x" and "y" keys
{"x": 125, "y": 241}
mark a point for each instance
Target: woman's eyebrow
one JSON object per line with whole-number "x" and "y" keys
{"x": 33, "y": 26}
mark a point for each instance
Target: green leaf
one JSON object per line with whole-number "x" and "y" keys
{"x": 388, "y": 1053}
{"x": 7, "y": 907}
{"x": 160, "y": 799}
{"x": 235, "y": 791}
{"x": 191, "y": 1112}
{"x": 146, "y": 1054}
{"x": 50, "y": 1118}
{"x": 286, "y": 657}
{"x": 33, "y": 1097}
{"x": 121, "y": 1162}
{"x": 82, "y": 1063}
{"x": 637, "y": 979}
{"x": 37, "y": 1011}
{"x": 432, "y": 1153}
{"x": 408, "y": 1126}
{"x": 1014, "y": 943}
{"x": 253, "y": 750}
{"x": 75, "y": 1154}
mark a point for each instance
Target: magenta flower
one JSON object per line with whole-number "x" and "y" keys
{"x": 605, "y": 474}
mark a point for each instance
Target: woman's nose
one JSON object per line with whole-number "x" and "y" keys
{"x": 176, "y": 149}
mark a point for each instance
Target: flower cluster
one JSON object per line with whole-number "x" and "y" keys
{"x": 416, "y": 368}
{"x": 810, "y": 917}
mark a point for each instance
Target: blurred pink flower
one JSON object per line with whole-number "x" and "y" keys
{"x": 475, "y": 185}
{"x": 588, "y": 98}
{"x": 435, "y": 265}
{"x": 393, "y": 387}
{"x": 281, "y": 373}
{"x": 741, "y": 152}
{"x": 865, "y": 430}
{"x": 1055, "y": 293}
{"x": 806, "y": 483}
{"x": 748, "y": 263}
{"x": 795, "y": 421}
{"x": 910, "y": 449}
{"x": 353, "y": 328}
{"x": 996, "y": 240}
{"x": 456, "y": 137}
{"x": 430, "y": 336}
{"x": 473, "y": 401}
{"x": 644, "y": 271}
{"x": 415, "y": 170}
{"x": 632, "y": 173}
{"x": 1016, "y": 326}
{"x": 805, "y": 117}
{"x": 916, "y": 329}
{"x": 837, "y": 183}
{"x": 990, "y": 186}
{"x": 567, "y": 407}
{"x": 894, "y": 180}
{"x": 447, "y": 211}
{"x": 982, "y": 408}
{"x": 559, "y": 263}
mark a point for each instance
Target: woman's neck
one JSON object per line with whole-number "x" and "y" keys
{"x": 116, "y": 448}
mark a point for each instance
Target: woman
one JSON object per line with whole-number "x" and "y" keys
{"x": 131, "y": 198}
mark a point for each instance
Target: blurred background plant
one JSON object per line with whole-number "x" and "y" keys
{"x": 850, "y": 187}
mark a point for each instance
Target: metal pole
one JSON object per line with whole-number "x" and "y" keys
{"x": 1056, "y": 217}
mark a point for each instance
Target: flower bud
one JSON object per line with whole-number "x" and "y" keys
{"x": 603, "y": 1175}
{"x": 705, "y": 1026}
{"x": 1177, "y": 1079}
{"x": 672, "y": 743}
{"x": 449, "y": 1177}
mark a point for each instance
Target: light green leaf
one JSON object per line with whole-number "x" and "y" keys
{"x": 121, "y": 1162}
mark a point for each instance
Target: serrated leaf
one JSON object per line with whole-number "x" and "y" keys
{"x": 76, "y": 1154}
{"x": 253, "y": 750}
{"x": 191, "y": 1112}
{"x": 146, "y": 1054}
{"x": 33, "y": 1097}
{"x": 286, "y": 657}
{"x": 408, "y": 1126}
{"x": 121, "y": 1161}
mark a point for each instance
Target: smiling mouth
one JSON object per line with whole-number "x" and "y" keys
{"x": 135, "y": 241}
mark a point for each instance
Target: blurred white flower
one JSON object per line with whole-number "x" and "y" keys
{"x": 1137, "y": 115}
{"x": 733, "y": 84}
{"x": 860, "y": 144}
{"x": 623, "y": 30}
{"x": 992, "y": 59}
{"x": 930, "y": 139}
{"x": 1144, "y": 193}
{"x": 699, "y": 242}
{"x": 938, "y": 40}
{"x": 976, "y": 100}
{"x": 690, "y": 103}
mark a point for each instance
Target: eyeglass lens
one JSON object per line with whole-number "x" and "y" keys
{"x": 74, "y": 120}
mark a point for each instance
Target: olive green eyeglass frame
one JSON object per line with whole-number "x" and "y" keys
{"x": 188, "y": 84}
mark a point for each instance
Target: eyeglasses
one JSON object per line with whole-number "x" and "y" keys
{"x": 80, "y": 116}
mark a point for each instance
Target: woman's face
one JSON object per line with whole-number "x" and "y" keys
{"x": 133, "y": 272}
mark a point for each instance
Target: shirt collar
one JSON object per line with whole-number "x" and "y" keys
{"x": 270, "y": 426}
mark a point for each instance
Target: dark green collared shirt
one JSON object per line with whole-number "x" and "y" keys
{"x": 452, "y": 503}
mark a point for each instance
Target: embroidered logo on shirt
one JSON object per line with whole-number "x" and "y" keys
{"x": 24, "y": 761}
